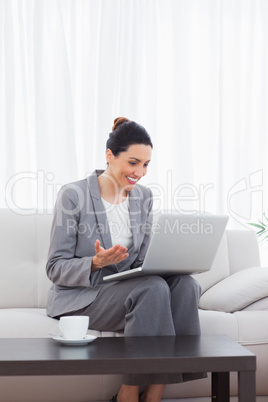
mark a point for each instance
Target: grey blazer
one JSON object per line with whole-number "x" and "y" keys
{"x": 79, "y": 219}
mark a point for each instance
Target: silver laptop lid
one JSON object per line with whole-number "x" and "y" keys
{"x": 184, "y": 243}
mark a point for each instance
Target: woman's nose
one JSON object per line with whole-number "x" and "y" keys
{"x": 140, "y": 171}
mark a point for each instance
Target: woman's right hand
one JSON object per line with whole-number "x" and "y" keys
{"x": 112, "y": 255}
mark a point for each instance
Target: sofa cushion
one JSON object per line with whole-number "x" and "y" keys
{"x": 219, "y": 270}
{"x": 34, "y": 323}
{"x": 24, "y": 247}
{"x": 261, "y": 305}
{"x": 237, "y": 291}
{"x": 27, "y": 323}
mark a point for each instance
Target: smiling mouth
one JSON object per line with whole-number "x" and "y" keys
{"x": 131, "y": 180}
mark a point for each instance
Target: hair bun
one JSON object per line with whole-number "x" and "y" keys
{"x": 118, "y": 121}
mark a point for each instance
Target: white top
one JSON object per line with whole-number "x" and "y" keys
{"x": 119, "y": 223}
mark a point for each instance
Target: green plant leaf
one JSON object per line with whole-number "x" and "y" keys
{"x": 256, "y": 225}
{"x": 262, "y": 226}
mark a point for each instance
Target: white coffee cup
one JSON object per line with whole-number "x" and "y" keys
{"x": 74, "y": 326}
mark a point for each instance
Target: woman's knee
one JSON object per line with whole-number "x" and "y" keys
{"x": 195, "y": 286}
{"x": 158, "y": 287}
{"x": 153, "y": 290}
{"x": 190, "y": 282}
{"x": 184, "y": 285}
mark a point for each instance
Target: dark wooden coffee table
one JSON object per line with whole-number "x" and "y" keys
{"x": 189, "y": 354}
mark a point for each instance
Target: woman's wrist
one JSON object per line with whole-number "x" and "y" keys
{"x": 94, "y": 264}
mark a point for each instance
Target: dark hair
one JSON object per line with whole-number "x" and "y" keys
{"x": 125, "y": 133}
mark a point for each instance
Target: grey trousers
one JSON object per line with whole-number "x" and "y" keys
{"x": 148, "y": 306}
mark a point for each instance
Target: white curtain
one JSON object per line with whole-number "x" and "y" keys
{"x": 193, "y": 72}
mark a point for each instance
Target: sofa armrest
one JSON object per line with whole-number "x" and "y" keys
{"x": 237, "y": 291}
{"x": 243, "y": 250}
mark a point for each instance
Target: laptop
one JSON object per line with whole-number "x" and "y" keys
{"x": 180, "y": 244}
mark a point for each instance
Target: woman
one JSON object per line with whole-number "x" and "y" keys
{"x": 102, "y": 225}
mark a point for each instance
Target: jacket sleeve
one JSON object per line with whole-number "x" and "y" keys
{"x": 63, "y": 267}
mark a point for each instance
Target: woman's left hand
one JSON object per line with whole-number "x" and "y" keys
{"x": 112, "y": 255}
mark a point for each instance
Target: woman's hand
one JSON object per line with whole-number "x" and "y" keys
{"x": 103, "y": 257}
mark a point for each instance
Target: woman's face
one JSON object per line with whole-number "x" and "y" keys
{"x": 130, "y": 166}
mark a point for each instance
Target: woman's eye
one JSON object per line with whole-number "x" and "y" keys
{"x": 132, "y": 163}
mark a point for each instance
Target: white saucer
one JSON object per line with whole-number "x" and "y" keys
{"x": 74, "y": 342}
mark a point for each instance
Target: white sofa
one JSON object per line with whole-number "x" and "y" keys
{"x": 234, "y": 301}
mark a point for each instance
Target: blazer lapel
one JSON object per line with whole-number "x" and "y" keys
{"x": 99, "y": 209}
{"x": 135, "y": 213}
